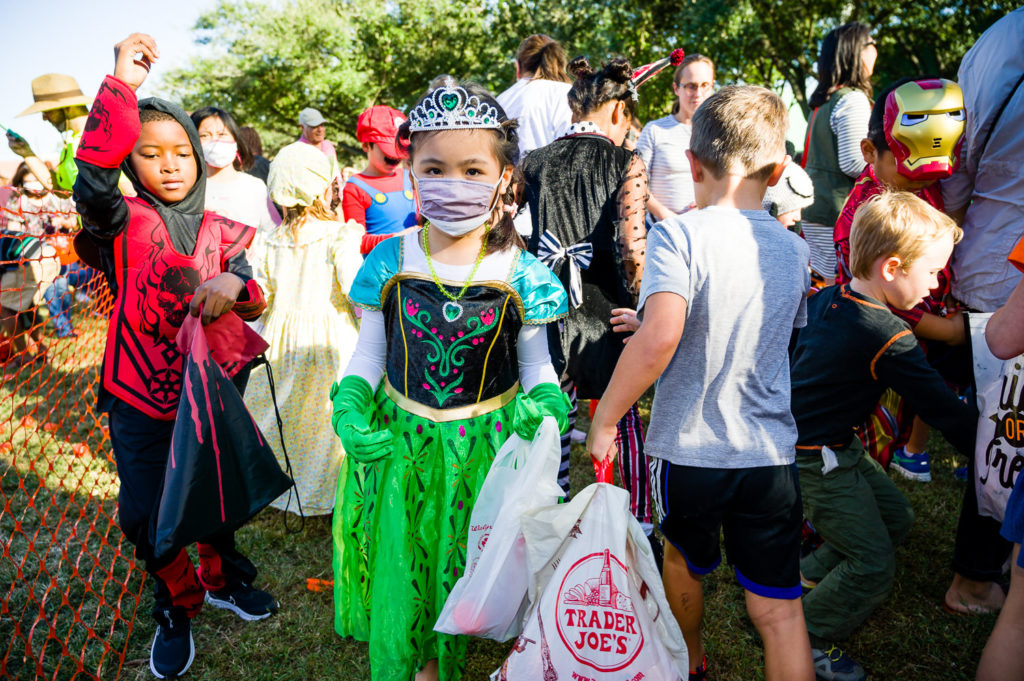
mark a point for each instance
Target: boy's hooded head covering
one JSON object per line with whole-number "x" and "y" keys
{"x": 187, "y": 214}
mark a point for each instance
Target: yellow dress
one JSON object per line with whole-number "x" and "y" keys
{"x": 310, "y": 326}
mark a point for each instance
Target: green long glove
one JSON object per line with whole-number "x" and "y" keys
{"x": 352, "y": 396}
{"x": 546, "y": 399}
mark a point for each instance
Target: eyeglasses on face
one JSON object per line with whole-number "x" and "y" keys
{"x": 691, "y": 88}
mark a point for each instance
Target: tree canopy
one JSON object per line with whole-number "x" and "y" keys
{"x": 268, "y": 61}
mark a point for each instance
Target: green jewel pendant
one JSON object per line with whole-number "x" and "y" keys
{"x": 451, "y": 311}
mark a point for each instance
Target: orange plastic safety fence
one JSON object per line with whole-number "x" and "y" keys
{"x": 69, "y": 585}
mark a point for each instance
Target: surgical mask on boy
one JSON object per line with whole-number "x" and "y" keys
{"x": 456, "y": 207}
{"x": 219, "y": 153}
{"x": 34, "y": 186}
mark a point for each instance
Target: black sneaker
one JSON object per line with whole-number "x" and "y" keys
{"x": 173, "y": 648}
{"x": 248, "y": 603}
{"x": 832, "y": 664}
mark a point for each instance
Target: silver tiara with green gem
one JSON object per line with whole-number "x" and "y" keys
{"x": 451, "y": 107}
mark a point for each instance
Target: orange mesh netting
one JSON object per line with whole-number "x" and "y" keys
{"x": 69, "y": 585}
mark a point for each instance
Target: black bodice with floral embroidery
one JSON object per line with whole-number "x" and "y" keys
{"x": 444, "y": 362}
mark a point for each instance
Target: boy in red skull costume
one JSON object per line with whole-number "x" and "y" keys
{"x": 164, "y": 258}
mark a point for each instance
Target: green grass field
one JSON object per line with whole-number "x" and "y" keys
{"x": 42, "y": 480}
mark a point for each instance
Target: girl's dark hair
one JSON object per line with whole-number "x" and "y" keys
{"x": 839, "y": 63}
{"x": 876, "y": 124}
{"x": 244, "y": 159}
{"x": 544, "y": 57}
{"x": 591, "y": 89}
{"x": 252, "y": 141}
{"x": 505, "y": 148}
{"x": 19, "y": 175}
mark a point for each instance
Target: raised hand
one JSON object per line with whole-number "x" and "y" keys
{"x": 133, "y": 57}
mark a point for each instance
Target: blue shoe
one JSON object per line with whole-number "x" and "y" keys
{"x": 835, "y": 665}
{"x": 913, "y": 466}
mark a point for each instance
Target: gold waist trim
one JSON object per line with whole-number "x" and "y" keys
{"x": 468, "y": 411}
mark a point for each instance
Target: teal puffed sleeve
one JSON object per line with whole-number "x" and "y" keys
{"x": 543, "y": 296}
{"x": 382, "y": 263}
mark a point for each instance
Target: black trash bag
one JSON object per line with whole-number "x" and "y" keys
{"x": 221, "y": 470}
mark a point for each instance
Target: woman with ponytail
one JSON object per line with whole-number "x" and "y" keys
{"x": 538, "y": 97}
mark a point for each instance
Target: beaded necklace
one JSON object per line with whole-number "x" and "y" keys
{"x": 452, "y": 309}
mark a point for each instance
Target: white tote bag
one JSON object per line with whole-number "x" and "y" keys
{"x": 599, "y": 610}
{"x": 999, "y": 448}
{"x": 490, "y": 599}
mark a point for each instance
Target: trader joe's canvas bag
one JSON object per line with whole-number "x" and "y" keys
{"x": 490, "y": 599}
{"x": 598, "y": 607}
{"x": 999, "y": 448}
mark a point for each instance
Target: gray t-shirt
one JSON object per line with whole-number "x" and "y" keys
{"x": 724, "y": 399}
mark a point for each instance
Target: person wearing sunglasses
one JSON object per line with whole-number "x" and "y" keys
{"x": 663, "y": 142}
{"x": 380, "y": 197}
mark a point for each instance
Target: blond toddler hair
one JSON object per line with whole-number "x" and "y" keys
{"x": 895, "y": 223}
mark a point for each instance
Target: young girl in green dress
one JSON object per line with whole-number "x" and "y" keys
{"x": 452, "y": 358}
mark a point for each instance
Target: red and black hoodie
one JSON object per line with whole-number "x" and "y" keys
{"x": 153, "y": 254}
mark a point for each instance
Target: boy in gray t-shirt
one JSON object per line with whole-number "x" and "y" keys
{"x": 723, "y": 288}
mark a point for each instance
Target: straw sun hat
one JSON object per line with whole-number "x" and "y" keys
{"x": 55, "y": 91}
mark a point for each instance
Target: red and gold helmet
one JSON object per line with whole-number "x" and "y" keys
{"x": 924, "y": 126}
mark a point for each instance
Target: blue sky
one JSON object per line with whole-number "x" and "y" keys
{"x": 77, "y": 38}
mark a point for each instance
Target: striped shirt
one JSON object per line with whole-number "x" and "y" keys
{"x": 662, "y": 147}
{"x": 849, "y": 123}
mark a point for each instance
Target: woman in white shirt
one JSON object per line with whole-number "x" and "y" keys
{"x": 539, "y": 98}
{"x": 663, "y": 142}
{"x": 230, "y": 192}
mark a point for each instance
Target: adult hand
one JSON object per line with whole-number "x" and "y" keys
{"x": 624, "y": 321}
{"x": 216, "y": 296}
{"x": 133, "y": 57}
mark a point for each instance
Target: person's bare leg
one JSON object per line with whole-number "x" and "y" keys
{"x": 1000, "y": 661}
{"x": 686, "y": 599}
{"x": 918, "y": 440}
{"x": 787, "y": 650}
{"x": 428, "y": 673}
{"x": 971, "y": 597}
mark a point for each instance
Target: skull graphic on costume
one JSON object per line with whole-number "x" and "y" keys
{"x": 175, "y": 292}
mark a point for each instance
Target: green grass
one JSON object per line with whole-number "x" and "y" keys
{"x": 41, "y": 479}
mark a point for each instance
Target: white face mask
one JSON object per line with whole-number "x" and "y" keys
{"x": 34, "y": 186}
{"x": 454, "y": 206}
{"x": 219, "y": 153}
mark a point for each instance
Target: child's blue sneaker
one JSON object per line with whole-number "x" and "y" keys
{"x": 913, "y": 466}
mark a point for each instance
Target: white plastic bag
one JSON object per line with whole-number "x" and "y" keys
{"x": 599, "y": 610}
{"x": 490, "y": 599}
{"x": 999, "y": 447}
